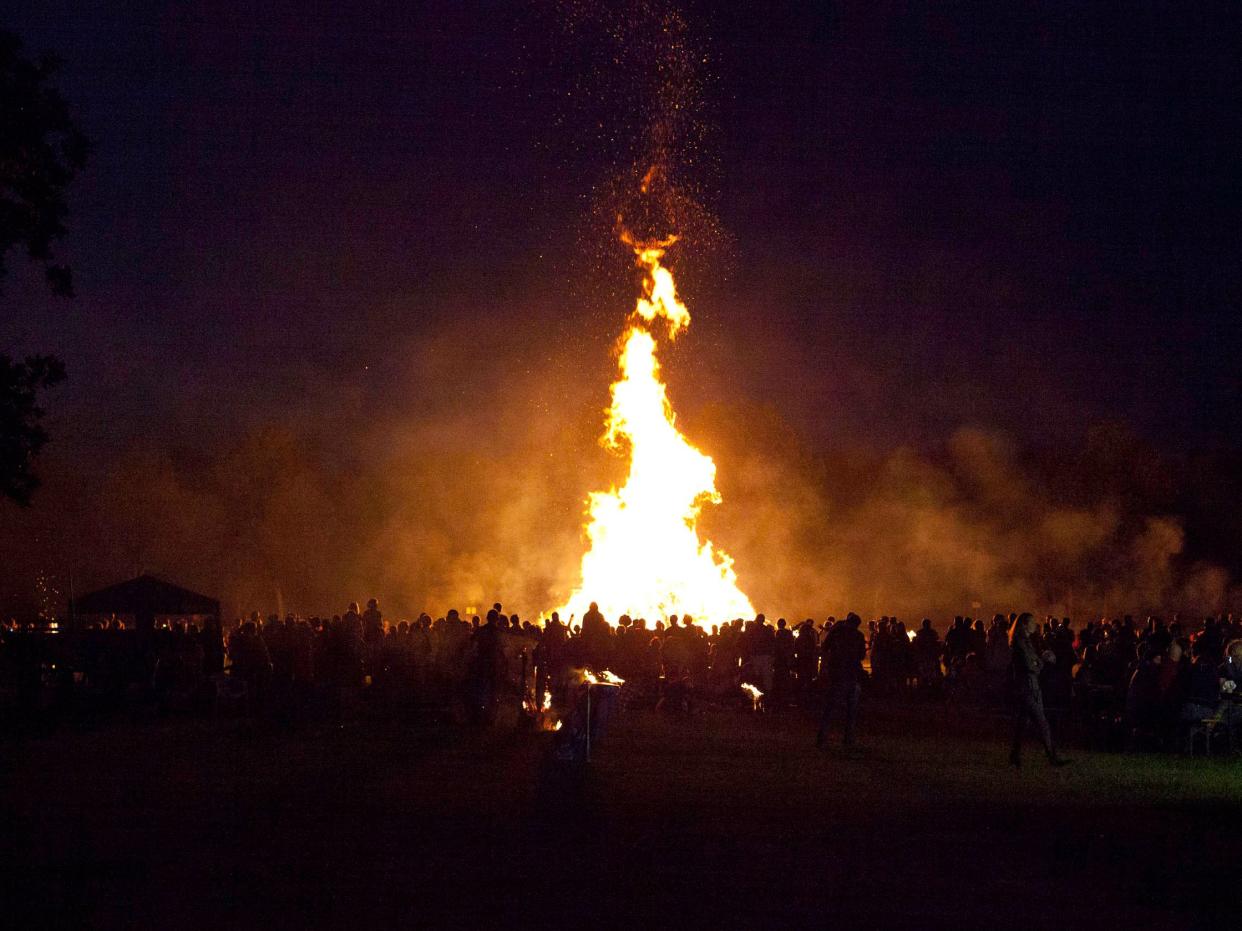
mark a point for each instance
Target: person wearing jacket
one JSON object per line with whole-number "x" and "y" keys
{"x": 1025, "y": 667}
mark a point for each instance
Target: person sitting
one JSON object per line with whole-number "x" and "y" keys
{"x": 1230, "y": 672}
{"x": 1202, "y": 685}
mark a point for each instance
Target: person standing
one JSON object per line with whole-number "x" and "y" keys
{"x": 783, "y": 667}
{"x": 806, "y": 656}
{"x": 1025, "y": 667}
{"x": 763, "y": 653}
{"x": 373, "y": 625}
{"x": 845, "y": 648}
{"x": 595, "y": 638}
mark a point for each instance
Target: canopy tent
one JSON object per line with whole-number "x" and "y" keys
{"x": 145, "y": 598}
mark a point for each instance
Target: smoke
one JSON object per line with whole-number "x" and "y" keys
{"x": 468, "y": 502}
{"x": 461, "y": 479}
{"x": 977, "y": 526}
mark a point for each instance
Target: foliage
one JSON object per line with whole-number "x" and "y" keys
{"x": 41, "y": 150}
{"x": 21, "y": 429}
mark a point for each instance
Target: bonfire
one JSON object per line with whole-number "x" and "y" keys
{"x": 645, "y": 555}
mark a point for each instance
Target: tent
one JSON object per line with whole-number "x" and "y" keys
{"x": 145, "y": 598}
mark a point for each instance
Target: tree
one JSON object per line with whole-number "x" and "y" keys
{"x": 21, "y": 431}
{"x": 41, "y": 151}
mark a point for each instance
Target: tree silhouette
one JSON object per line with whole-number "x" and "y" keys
{"x": 41, "y": 151}
{"x": 21, "y": 431}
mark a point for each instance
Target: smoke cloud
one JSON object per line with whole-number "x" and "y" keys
{"x": 976, "y": 526}
{"x": 484, "y": 500}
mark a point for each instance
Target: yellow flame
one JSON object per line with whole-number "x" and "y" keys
{"x": 611, "y": 678}
{"x": 755, "y": 694}
{"x": 547, "y": 701}
{"x": 645, "y": 557}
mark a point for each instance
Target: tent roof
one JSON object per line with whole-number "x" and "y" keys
{"x": 145, "y": 595}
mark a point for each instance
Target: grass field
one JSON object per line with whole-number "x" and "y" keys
{"x": 720, "y": 819}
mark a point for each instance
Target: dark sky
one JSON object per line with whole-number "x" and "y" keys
{"x": 1017, "y": 216}
{"x": 949, "y": 212}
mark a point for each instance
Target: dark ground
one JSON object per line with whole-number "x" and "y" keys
{"x": 724, "y": 819}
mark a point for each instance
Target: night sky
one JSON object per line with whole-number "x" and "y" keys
{"x": 932, "y": 216}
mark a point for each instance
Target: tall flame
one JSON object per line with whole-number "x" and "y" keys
{"x": 645, "y": 557}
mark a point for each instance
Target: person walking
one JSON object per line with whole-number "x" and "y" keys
{"x": 1025, "y": 667}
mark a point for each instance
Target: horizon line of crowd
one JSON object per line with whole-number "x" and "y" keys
{"x": 1150, "y": 680}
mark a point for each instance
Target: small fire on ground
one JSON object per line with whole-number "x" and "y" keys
{"x": 756, "y": 696}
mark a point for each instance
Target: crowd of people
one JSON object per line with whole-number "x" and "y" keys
{"x": 1149, "y": 681}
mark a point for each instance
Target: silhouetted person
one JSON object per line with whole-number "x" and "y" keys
{"x": 593, "y": 620}
{"x": 1210, "y": 642}
{"x": 927, "y": 649}
{"x": 782, "y": 670}
{"x": 487, "y": 669}
{"x": 1202, "y": 683}
{"x": 1026, "y": 666}
{"x": 760, "y": 649}
{"x": 1143, "y": 693}
{"x": 250, "y": 659}
{"x": 1230, "y": 673}
{"x": 845, "y": 649}
{"x": 806, "y": 653}
{"x": 956, "y": 643}
{"x": 212, "y": 640}
{"x": 1171, "y": 685}
{"x": 372, "y": 623}
{"x": 595, "y": 636}
{"x": 352, "y": 620}
{"x": 675, "y": 651}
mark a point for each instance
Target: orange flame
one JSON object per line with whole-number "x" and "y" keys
{"x": 645, "y": 556}
{"x": 756, "y": 696}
